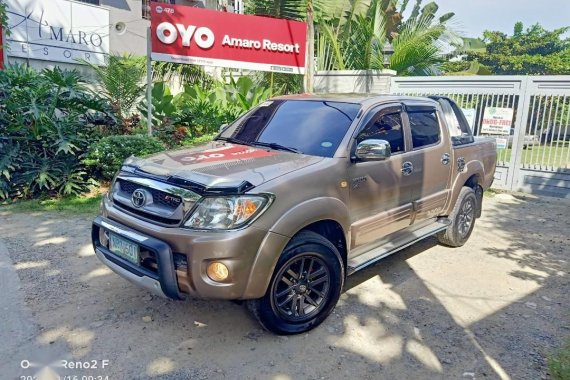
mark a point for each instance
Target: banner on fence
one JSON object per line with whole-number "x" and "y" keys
{"x": 502, "y": 143}
{"x": 191, "y": 35}
{"x": 497, "y": 121}
{"x": 470, "y": 116}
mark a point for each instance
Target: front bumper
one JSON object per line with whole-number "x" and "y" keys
{"x": 183, "y": 256}
{"x": 163, "y": 283}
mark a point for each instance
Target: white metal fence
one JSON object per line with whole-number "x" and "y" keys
{"x": 535, "y": 157}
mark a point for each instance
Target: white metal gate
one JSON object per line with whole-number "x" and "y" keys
{"x": 536, "y": 156}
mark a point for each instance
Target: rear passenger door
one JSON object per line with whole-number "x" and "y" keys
{"x": 431, "y": 158}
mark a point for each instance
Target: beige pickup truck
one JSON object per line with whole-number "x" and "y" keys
{"x": 291, "y": 198}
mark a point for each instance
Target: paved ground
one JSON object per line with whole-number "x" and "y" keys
{"x": 491, "y": 309}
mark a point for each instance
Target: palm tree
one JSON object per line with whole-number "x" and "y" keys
{"x": 352, "y": 41}
{"x": 297, "y": 10}
{"x": 294, "y": 9}
{"x": 121, "y": 82}
{"x": 182, "y": 73}
{"x": 355, "y": 40}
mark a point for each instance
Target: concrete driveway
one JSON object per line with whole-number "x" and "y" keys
{"x": 491, "y": 309}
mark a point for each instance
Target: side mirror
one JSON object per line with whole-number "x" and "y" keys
{"x": 222, "y": 127}
{"x": 373, "y": 150}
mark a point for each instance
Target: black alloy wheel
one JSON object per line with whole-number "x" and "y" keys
{"x": 462, "y": 219}
{"x": 302, "y": 288}
{"x": 466, "y": 217}
{"x": 305, "y": 286}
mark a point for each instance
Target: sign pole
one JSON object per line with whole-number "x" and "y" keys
{"x": 149, "y": 81}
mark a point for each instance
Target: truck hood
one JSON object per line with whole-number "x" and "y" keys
{"x": 222, "y": 165}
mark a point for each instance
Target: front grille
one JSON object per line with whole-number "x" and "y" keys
{"x": 159, "y": 197}
{"x": 148, "y": 216}
{"x": 158, "y": 202}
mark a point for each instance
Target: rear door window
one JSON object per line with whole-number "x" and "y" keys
{"x": 424, "y": 126}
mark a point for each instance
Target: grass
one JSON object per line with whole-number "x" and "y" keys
{"x": 559, "y": 363}
{"x": 541, "y": 156}
{"x": 490, "y": 193}
{"x": 88, "y": 205}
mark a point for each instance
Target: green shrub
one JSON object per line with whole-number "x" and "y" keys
{"x": 228, "y": 99}
{"x": 195, "y": 112}
{"x": 199, "y": 140}
{"x": 106, "y": 156}
{"x": 47, "y": 121}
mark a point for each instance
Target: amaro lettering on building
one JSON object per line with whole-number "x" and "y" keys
{"x": 58, "y": 30}
{"x": 204, "y": 37}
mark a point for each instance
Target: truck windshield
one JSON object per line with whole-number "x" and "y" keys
{"x": 313, "y": 127}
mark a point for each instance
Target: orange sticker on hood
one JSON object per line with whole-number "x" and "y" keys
{"x": 226, "y": 153}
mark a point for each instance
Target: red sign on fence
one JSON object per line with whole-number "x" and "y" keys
{"x": 204, "y": 37}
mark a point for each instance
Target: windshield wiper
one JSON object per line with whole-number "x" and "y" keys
{"x": 259, "y": 143}
{"x": 233, "y": 141}
{"x": 276, "y": 146}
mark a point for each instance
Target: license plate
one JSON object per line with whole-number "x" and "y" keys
{"x": 124, "y": 248}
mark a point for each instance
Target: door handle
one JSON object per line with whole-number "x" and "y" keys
{"x": 445, "y": 159}
{"x": 407, "y": 168}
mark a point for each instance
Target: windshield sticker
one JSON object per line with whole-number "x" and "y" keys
{"x": 326, "y": 144}
{"x": 267, "y": 103}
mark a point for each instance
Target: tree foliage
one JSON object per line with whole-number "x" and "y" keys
{"x": 4, "y": 16}
{"x": 355, "y": 40}
{"x": 294, "y": 9}
{"x": 181, "y": 73}
{"x": 534, "y": 51}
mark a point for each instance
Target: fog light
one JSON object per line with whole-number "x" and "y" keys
{"x": 217, "y": 271}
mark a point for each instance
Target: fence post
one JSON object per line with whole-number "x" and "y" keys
{"x": 521, "y": 119}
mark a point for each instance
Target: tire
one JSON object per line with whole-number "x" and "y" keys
{"x": 295, "y": 301}
{"x": 462, "y": 219}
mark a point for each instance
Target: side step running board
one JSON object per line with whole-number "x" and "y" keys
{"x": 384, "y": 250}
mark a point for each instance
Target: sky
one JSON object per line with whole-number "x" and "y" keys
{"x": 472, "y": 17}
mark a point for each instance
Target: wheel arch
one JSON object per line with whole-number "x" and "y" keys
{"x": 473, "y": 176}
{"x": 326, "y": 216}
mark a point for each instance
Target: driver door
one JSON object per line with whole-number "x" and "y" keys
{"x": 381, "y": 191}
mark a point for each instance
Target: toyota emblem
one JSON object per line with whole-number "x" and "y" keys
{"x": 138, "y": 199}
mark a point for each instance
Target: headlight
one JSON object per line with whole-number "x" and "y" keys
{"x": 224, "y": 213}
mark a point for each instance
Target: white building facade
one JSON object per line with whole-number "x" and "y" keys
{"x": 45, "y": 33}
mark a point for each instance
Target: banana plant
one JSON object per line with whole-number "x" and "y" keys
{"x": 163, "y": 107}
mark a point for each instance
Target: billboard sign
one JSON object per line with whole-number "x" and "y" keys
{"x": 57, "y": 30}
{"x": 198, "y": 36}
{"x": 497, "y": 121}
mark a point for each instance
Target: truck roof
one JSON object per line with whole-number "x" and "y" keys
{"x": 363, "y": 99}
